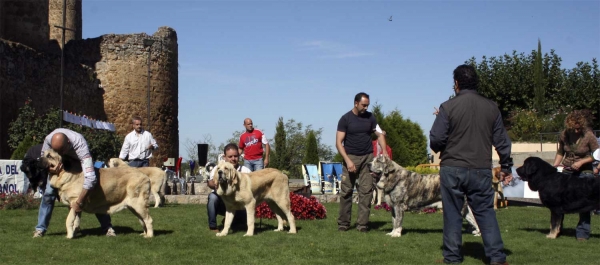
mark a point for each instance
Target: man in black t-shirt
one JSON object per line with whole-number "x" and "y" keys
{"x": 353, "y": 142}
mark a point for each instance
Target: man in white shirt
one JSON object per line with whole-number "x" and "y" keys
{"x": 138, "y": 145}
{"x": 215, "y": 205}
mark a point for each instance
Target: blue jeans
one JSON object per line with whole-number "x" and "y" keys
{"x": 216, "y": 206}
{"x": 476, "y": 184}
{"x": 47, "y": 206}
{"x": 254, "y": 165}
{"x": 583, "y": 228}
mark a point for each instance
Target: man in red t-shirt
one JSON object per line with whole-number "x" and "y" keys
{"x": 251, "y": 146}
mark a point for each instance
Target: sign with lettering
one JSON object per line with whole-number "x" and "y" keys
{"x": 12, "y": 180}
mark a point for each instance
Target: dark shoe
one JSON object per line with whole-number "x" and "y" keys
{"x": 442, "y": 261}
{"x": 343, "y": 228}
{"x": 580, "y": 239}
{"x": 363, "y": 229}
{"x": 499, "y": 263}
{"x": 214, "y": 229}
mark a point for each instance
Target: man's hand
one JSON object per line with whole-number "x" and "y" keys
{"x": 56, "y": 169}
{"x": 76, "y": 206}
{"x": 266, "y": 162}
{"x": 350, "y": 165}
{"x": 506, "y": 178}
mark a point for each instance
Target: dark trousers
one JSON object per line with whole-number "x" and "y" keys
{"x": 476, "y": 184}
{"x": 364, "y": 188}
{"x": 139, "y": 163}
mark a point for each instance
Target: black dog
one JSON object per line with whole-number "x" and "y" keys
{"x": 31, "y": 166}
{"x": 561, "y": 193}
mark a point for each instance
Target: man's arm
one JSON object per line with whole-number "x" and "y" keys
{"x": 438, "y": 135}
{"x": 267, "y": 152}
{"x": 503, "y": 147}
{"x": 382, "y": 143}
{"x": 153, "y": 145}
{"x": 211, "y": 183}
{"x": 124, "y": 148}
{"x": 560, "y": 152}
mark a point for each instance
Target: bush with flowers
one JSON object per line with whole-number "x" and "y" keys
{"x": 11, "y": 201}
{"x": 302, "y": 208}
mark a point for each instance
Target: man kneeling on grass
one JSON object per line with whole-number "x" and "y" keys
{"x": 215, "y": 205}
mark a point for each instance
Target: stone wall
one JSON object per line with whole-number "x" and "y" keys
{"x": 27, "y": 73}
{"x": 105, "y": 77}
{"x": 25, "y": 21}
{"x": 73, "y": 20}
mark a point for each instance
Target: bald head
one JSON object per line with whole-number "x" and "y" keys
{"x": 60, "y": 143}
{"x": 248, "y": 125}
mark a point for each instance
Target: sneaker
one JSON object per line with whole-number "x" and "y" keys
{"x": 38, "y": 233}
{"x": 343, "y": 228}
{"x": 110, "y": 232}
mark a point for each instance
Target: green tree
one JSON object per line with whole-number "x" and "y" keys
{"x": 279, "y": 154}
{"x": 311, "y": 155}
{"x": 539, "y": 90}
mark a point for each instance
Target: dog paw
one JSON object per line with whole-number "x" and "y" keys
{"x": 278, "y": 229}
{"x": 292, "y": 232}
{"x": 395, "y": 234}
{"x": 551, "y": 236}
{"x": 248, "y": 235}
{"x": 69, "y": 236}
{"x": 221, "y": 234}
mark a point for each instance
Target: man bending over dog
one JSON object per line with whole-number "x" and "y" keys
{"x": 215, "y": 205}
{"x": 69, "y": 144}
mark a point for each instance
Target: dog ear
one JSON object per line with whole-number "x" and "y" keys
{"x": 234, "y": 176}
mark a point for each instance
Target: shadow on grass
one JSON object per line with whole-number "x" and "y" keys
{"x": 564, "y": 232}
{"x": 475, "y": 250}
{"x": 258, "y": 228}
{"x": 119, "y": 230}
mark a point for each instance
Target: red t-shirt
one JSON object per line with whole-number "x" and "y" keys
{"x": 387, "y": 148}
{"x": 252, "y": 144}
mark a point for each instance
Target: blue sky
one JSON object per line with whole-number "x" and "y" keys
{"x": 307, "y": 59}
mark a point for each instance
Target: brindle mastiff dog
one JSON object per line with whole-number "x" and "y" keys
{"x": 405, "y": 190}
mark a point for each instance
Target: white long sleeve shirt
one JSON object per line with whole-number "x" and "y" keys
{"x": 135, "y": 146}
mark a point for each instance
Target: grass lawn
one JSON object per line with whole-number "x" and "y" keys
{"x": 182, "y": 237}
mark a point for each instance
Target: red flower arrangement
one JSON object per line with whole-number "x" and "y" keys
{"x": 302, "y": 208}
{"x": 383, "y": 206}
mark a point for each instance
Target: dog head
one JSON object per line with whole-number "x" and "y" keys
{"x": 533, "y": 170}
{"x": 226, "y": 175}
{"x": 34, "y": 171}
{"x": 50, "y": 159}
{"x": 116, "y": 162}
{"x": 381, "y": 165}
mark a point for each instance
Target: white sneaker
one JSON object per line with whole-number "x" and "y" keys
{"x": 110, "y": 232}
{"x": 38, "y": 233}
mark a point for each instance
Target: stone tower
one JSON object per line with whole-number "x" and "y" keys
{"x": 73, "y": 20}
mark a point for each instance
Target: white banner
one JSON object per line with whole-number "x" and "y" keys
{"x": 12, "y": 180}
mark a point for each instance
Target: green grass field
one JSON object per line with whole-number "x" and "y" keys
{"x": 182, "y": 237}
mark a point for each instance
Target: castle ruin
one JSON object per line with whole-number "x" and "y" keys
{"x": 104, "y": 77}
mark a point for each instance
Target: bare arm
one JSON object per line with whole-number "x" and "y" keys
{"x": 339, "y": 138}
{"x": 267, "y": 152}
{"x": 382, "y": 143}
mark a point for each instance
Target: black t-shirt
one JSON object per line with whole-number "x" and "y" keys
{"x": 358, "y": 129}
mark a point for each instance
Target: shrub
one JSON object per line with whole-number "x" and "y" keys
{"x": 11, "y": 201}
{"x": 302, "y": 208}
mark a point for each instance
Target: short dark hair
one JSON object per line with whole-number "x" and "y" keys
{"x": 136, "y": 118}
{"x": 360, "y": 95}
{"x": 230, "y": 146}
{"x": 467, "y": 78}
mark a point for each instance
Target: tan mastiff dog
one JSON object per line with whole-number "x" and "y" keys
{"x": 246, "y": 190}
{"x": 157, "y": 177}
{"x": 117, "y": 189}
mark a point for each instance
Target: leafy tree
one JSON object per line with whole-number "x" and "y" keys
{"x": 406, "y": 139}
{"x": 539, "y": 81}
{"x": 311, "y": 155}
{"x": 279, "y": 153}
{"x": 102, "y": 144}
